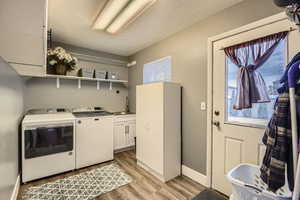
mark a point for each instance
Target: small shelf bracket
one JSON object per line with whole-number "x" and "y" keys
{"x": 98, "y": 85}
{"x": 79, "y": 84}
{"x": 57, "y": 83}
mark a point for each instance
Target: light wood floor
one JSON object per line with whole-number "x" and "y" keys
{"x": 144, "y": 187}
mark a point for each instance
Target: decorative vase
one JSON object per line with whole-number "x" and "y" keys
{"x": 61, "y": 69}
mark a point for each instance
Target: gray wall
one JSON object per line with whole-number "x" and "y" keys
{"x": 42, "y": 93}
{"x": 90, "y": 52}
{"x": 11, "y": 107}
{"x": 188, "y": 49}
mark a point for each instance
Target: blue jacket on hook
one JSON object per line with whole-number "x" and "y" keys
{"x": 284, "y": 79}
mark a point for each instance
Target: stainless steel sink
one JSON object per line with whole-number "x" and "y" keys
{"x": 124, "y": 113}
{"x": 91, "y": 114}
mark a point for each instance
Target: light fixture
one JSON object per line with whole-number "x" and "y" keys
{"x": 132, "y": 63}
{"x": 117, "y": 14}
{"x": 111, "y": 9}
{"x": 129, "y": 14}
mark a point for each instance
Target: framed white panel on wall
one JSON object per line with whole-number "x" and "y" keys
{"x": 158, "y": 71}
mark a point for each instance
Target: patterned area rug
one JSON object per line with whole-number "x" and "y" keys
{"x": 84, "y": 186}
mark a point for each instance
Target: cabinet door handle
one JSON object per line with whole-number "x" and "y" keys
{"x": 126, "y": 129}
{"x": 96, "y": 119}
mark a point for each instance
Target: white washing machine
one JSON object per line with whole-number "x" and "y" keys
{"x": 94, "y": 136}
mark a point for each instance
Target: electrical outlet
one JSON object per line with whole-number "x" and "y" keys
{"x": 203, "y": 106}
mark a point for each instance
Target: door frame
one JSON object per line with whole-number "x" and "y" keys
{"x": 209, "y": 117}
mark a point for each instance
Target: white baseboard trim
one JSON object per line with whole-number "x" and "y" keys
{"x": 15, "y": 193}
{"x": 151, "y": 171}
{"x": 194, "y": 175}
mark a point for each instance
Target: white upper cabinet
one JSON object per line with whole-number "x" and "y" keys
{"x": 23, "y": 38}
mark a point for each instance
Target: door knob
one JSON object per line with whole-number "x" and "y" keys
{"x": 217, "y": 113}
{"x": 216, "y": 123}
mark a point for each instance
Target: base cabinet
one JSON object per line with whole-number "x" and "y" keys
{"x": 124, "y": 132}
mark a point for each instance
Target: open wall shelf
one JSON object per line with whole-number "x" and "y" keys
{"x": 79, "y": 79}
{"x": 85, "y": 78}
{"x": 110, "y": 81}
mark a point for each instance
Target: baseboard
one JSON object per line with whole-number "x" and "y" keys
{"x": 124, "y": 149}
{"x": 15, "y": 193}
{"x": 194, "y": 175}
{"x": 148, "y": 169}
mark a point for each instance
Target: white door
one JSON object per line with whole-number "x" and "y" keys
{"x": 149, "y": 125}
{"x": 131, "y": 125}
{"x": 124, "y": 133}
{"x": 237, "y": 135}
{"x": 119, "y": 135}
{"x": 127, "y": 135}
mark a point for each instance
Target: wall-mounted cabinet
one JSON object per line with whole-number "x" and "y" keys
{"x": 24, "y": 39}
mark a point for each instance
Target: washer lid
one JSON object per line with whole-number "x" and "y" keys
{"x": 48, "y": 117}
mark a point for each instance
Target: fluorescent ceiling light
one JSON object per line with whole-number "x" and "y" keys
{"x": 111, "y": 9}
{"x": 130, "y": 13}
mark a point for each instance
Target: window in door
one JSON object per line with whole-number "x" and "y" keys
{"x": 260, "y": 113}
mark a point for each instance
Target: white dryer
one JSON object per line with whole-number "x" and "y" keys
{"x": 48, "y": 145}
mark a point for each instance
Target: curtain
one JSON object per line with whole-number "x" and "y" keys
{"x": 250, "y": 56}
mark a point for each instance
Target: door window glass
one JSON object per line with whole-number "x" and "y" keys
{"x": 260, "y": 113}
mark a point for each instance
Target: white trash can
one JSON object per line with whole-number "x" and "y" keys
{"x": 247, "y": 185}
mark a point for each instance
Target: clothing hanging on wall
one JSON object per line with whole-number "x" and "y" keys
{"x": 279, "y": 152}
{"x": 278, "y": 138}
{"x": 284, "y": 78}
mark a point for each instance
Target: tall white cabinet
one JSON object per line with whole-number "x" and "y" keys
{"x": 24, "y": 35}
{"x": 158, "y": 129}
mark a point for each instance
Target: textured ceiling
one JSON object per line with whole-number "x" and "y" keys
{"x": 71, "y": 21}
